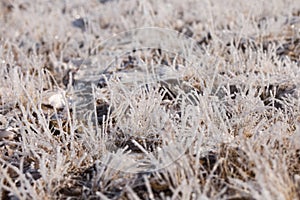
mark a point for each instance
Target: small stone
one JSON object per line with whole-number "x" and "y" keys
{"x": 104, "y": 1}
{"x": 55, "y": 99}
{"x": 179, "y": 24}
{"x": 79, "y": 23}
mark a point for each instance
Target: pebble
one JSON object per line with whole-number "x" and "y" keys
{"x": 79, "y": 23}
{"x": 104, "y": 1}
{"x": 55, "y": 99}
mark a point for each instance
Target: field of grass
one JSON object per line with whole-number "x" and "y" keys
{"x": 112, "y": 99}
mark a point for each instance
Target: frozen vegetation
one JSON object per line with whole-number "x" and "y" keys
{"x": 114, "y": 99}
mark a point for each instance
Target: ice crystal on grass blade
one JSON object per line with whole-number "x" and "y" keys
{"x": 132, "y": 100}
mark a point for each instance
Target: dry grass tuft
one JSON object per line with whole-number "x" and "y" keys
{"x": 92, "y": 108}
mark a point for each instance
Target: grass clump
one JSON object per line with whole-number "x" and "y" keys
{"x": 201, "y": 103}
